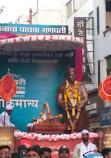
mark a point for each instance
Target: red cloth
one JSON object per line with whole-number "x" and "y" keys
{"x": 6, "y": 35}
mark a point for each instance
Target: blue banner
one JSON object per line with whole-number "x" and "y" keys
{"x": 33, "y": 29}
{"x": 38, "y": 75}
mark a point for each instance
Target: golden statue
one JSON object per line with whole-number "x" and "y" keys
{"x": 72, "y": 96}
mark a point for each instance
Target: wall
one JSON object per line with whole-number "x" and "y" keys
{"x": 102, "y": 43}
{"x": 83, "y": 11}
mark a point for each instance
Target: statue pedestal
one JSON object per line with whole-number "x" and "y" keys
{"x": 7, "y": 136}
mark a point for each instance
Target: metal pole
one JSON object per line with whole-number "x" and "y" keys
{"x": 4, "y": 113}
{"x": 37, "y": 11}
{"x": 37, "y": 5}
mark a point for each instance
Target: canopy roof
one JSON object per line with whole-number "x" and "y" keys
{"x": 41, "y": 43}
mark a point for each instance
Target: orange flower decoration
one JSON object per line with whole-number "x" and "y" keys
{"x": 105, "y": 89}
{"x": 8, "y": 87}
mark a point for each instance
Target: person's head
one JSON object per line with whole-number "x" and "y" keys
{"x": 106, "y": 152}
{"x": 21, "y": 147}
{"x": 5, "y": 151}
{"x": 36, "y": 148}
{"x": 32, "y": 152}
{"x": 45, "y": 152}
{"x": 70, "y": 74}
{"x": 15, "y": 155}
{"x": 22, "y": 150}
{"x": 64, "y": 152}
{"x": 85, "y": 135}
{"x": 9, "y": 109}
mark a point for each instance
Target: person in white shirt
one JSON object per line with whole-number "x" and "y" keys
{"x": 5, "y": 117}
{"x": 85, "y": 146}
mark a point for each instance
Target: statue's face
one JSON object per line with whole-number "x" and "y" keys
{"x": 71, "y": 75}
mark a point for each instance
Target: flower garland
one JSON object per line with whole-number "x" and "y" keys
{"x": 76, "y": 99}
{"x": 50, "y": 137}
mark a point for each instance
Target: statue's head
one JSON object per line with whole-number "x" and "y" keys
{"x": 70, "y": 74}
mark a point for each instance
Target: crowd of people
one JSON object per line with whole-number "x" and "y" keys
{"x": 36, "y": 151}
{"x": 32, "y": 152}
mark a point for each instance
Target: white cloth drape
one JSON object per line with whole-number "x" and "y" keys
{"x": 5, "y": 120}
